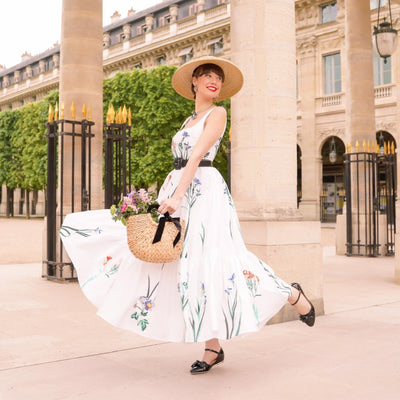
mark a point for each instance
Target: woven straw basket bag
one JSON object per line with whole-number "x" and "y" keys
{"x": 142, "y": 233}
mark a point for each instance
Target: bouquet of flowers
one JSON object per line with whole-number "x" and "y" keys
{"x": 135, "y": 202}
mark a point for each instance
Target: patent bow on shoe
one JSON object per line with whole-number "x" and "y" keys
{"x": 199, "y": 367}
{"x": 308, "y": 318}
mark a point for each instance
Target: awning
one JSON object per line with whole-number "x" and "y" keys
{"x": 185, "y": 51}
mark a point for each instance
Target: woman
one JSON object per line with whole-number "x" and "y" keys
{"x": 217, "y": 289}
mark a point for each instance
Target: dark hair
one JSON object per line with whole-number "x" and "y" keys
{"x": 205, "y": 69}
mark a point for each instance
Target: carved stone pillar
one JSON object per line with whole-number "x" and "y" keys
{"x": 127, "y": 31}
{"x": 360, "y": 107}
{"x": 56, "y": 60}
{"x": 81, "y": 79}
{"x": 106, "y": 39}
{"x": 173, "y": 11}
{"x": 309, "y": 205}
{"x": 200, "y": 5}
{"x": 42, "y": 67}
{"x": 264, "y": 136}
{"x": 149, "y": 22}
{"x": 28, "y": 71}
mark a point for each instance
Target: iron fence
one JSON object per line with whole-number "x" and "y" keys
{"x": 79, "y": 135}
{"x": 370, "y": 182}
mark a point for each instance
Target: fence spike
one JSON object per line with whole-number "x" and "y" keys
{"x": 62, "y": 111}
{"x": 84, "y": 111}
{"x": 129, "y": 117}
{"x": 73, "y": 111}
{"x": 51, "y": 113}
{"x": 56, "y": 111}
{"x": 357, "y": 146}
{"x": 124, "y": 114}
{"x": 112, "y": 114}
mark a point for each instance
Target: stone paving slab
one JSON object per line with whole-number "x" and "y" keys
{"x": 21, "y": 240}
{"x": 54, "y": 347}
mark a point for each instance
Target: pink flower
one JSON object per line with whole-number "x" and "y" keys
{"x": 144, "y": 196}
{"x": 123, "y": 207}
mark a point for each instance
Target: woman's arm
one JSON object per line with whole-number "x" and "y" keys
{"x": 213, "y": 129}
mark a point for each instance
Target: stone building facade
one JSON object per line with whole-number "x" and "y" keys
{"x": 174, "y": 31}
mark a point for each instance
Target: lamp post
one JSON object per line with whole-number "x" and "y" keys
{"x": 384, "y": 36}
{"x": 333, "y": 153}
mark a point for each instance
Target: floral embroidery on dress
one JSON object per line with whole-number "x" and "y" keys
{"x": 252, "y": 282}
{"x": 66, "y": 231}
{"x": 234, "y": 319}
{"x": 191, "y": 195}
{"x": 227, "y": 193}
{"x": 281, "y": 285}
{"x": 108, "y": 268}
{"x": 195, "y": 313}
{"x": 181, "y": 149}
{"x": 144, "y": 305}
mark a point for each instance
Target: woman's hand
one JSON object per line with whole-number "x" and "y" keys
{"x": 169, "y": 205}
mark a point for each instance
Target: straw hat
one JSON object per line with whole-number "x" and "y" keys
{"x": 182, "y": 79}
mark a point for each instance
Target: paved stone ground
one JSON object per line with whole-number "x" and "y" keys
{"x": 21, "y": 240}
{"x": 54, "y": 347}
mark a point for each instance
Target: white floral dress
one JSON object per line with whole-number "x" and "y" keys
{"x": 217, "y": 289}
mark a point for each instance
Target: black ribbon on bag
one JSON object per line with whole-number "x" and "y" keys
{"x": 161, "y": 225}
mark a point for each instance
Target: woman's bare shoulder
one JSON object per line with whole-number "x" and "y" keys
{"x": 218, "y": 112}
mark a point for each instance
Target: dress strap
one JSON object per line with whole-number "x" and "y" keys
{"x": 184, "y": 123}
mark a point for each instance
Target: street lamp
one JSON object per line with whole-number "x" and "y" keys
{"x": 381, "y": 144}
{"x": 333, "y": 154}
{"x": 384, "y": 36}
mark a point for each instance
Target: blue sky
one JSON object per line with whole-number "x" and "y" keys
{"x": 35, "y": 26}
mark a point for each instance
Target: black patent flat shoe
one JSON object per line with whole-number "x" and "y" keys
{"x": 308, "y": 318}
{"x": 200, "y": 367}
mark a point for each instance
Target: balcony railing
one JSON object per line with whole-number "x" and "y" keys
{"x": 332, "y": 100}
{"x": 382, "y": 92}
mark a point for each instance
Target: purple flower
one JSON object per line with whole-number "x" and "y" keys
{"x": 148, "y": 303}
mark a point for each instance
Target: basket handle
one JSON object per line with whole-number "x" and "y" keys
{"x": 161, "y": 225}
{"x": 152, "y": 207}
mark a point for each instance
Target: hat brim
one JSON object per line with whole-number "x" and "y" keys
{"x": 182, "y": 78}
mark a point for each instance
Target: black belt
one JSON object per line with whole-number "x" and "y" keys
{"x": 180, "y": 163}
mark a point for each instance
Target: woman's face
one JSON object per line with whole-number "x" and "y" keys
{"x": 208, "y": 85}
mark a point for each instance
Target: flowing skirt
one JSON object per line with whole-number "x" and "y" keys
{"x": 216, "y": 289}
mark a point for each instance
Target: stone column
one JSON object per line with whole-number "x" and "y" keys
{"x": 264, "y": 135}
{"x": 81, "y": 82}
{"x": 359, "y": 91}
{"x": 357, "y": 60}
{"x": 310, "y": 164}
